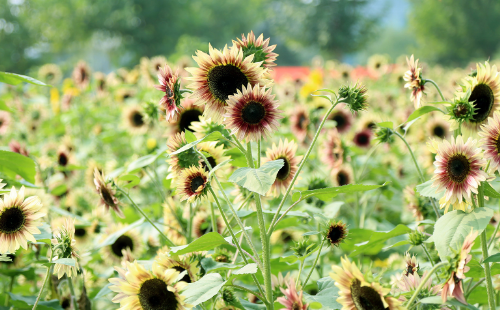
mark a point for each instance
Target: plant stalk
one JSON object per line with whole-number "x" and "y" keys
{"x": 437, "y": 87}
{"x": 47, "y": 275}
{"x": 484, "y": 248}
{"x": 423, "y": 282}
{"x": 315, "y": 262}
{"x": 73, "y": 295}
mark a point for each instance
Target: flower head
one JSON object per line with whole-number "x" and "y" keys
{"x": 299, "y": 121}
{"x": 490, "y": 141}
{"x": 107, "y": 193}
{"x": 411, "y": 264}
{"x": 354, "y": 97}
{"x": 19, "y": 219}
{"x": 170, "y": 85}
{"x": 263, "y": 53}
{"x": 126, "y": 247}
{"x": 414, "y": 81}
{"x": 192, "y": 183}
{"x": 135, "y": 119}
{"x": 336, "y": 232}
{"x": 458, "y": 171}
{"x": 81, "y": 74}
{"x": 342, "y": 176}
{"x": 363, "y": 138}
{"x": 64, "y": 246}
{"x": 220, "y": 75}
{"x": 292, "y": 299}
{"x": 461, "y": 110}
{"x": 165, "y": 262}
{"x": 332, "y": 151}
{"x": 252, "y": 113}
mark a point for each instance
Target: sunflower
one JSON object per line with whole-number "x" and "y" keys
{"x": 343, "y": 120}
{"x": 202, "y": 224}
{"x": 378, "y": 64}
{"x": 252, "y": 113}
{"x": 192, "y": 183}
{"x": 363, "y": 138}
{"x": 263, "y": 53}
{"x": 220, "y": 75}
{"x": 286, "y": 151}
{"x": 107, "y": 193}
{"x": 155, "y": 64}
{"x": 342, "y": 176}
{"x": 65, "y": 247}
{"x": 19, "y": 219}
{"x": 414, "y": 81}
{"x": 215, "y": 155}
{"x": 189, "y": 113}
{"x": 412, "y": 266}
{"x": 358, "y": 294}
{"x": 183, "y": 160}
{"x": 484, "y": 92}
{"x": 438, "y": 128}
{"x": 63, "y": 156}
{"x": 336, "y": 232}
{"x": 135, "y": 119}
{"x": 299, "y": 121}
{"x": 490, "y": 141}
{"x": 458, "y": 171}
{"x": 203, "y": 127}
{"x": 185, "y": 263}
{"x": 169, "y": 84}
{"x": 100, "y": 82}
{"x": 81, "y": 74}
{"x": 129, "y": 241}
{"x": 139, "y": 288}
{"x": 292, "y": 300}
{"x": 16, "y": 147}
{"x": 50, "y": 73}
{"x": 332, "y": 153}
{"x": 410, "y": 283}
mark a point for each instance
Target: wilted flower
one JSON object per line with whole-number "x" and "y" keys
{"x": 64, "y": 246}
{"x": 414, "y": 81}
{"x": 107, "y": 193}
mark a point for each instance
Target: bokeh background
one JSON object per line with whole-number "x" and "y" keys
{"x": 117, "y": 33}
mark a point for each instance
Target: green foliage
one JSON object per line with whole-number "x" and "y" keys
{"x": 14, "y": 79}
{"x": 204, "y": 243}
{"x": 12, "y": 164}
{"x": 203, "y": 289}
{"x": 330, "y": 192}
{"x": 326, "y": 296}
{"x": 258, "y": 180}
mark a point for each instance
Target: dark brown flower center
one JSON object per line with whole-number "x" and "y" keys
{"x": 302, "y": 120}
{"x": 483, "y": 98}
{"x": 296, "y": 306}
{"x": 154, "y": 295}
{"x": 343, "y": 178}
{"x": 107, "y": 196}
{"x": 439, "y": 131}
{"x": 284, "y": 172}
{"x": 137, "y": 119}
{"x": 253, "y": 112}
{"x": 122, "y": 243}
{"x": 211, "y": 161}
{"x": 362, "y": 139}
{"x": 336, "y": 233}
{"x": 187, "y": 117}
{"x": 497, "y": 143}
{"x": 365, "y": 298}
{"x": 12, "y": 220}
{"x": 186, "y": 278}
{"x": 80, "y": 232}
{"x": 341, "y": 121}
{"x": 63, "y": 159}
{"x": 225, "y": 80}
{"x": 458, "y": 168}
{"x": 196, "y": 182}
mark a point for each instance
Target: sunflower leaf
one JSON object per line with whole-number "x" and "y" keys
{"x": 4, "y": 107}
{"x": 258, "y": 180}
{"x": 14, "y": 79}
{"x": 213, "y": 136}
{"x": 490, "y": 191}
{"x": 380, "y": 237}
{"x": 204, "y": 243}
{"x": 426, "y": 190}
{"x": 133, "y": 180}
{"x": 452, "y": 228}
{"x": 27, "y": 302}
{"x": 495, "y": 258}
{"x": 422, "y": 111}
{"x": 389, "y": 125}
{"x": 13, "y": 164}
{"x": 203, "y": 289}
{"x": 330, "y": 192}
{"x": 327, "y": 295}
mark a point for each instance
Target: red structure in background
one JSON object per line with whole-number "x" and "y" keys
{"x": 283, "y": 73}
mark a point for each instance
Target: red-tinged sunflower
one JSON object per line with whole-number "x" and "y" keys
{"x": 19, "y": 219}
{"x": 192, "y": 183}
{"x": 292, "y": 299}
{"x": 484, "y": 93}
{"x": 342, "y": 176}
{"x": 65, "y": 245}
{"x": 263, "y": 53}
{"x": 186, "y": 263}
{"x": 107, "y": 193}
{"x": 286, "y": 151}
{"x": 299, "y": 121}
{"x": 332, "y": 153}
{"x": 183, "y": 160}
{"x": 189, "y": 113}
{"x": 343, "y": 120}
{"x": 81, "y": 74}
{"x": 220, "y": 75}
{"x": 363, "y": 138}
{"x": 170, "y": 85}
{"x": 458, "y": 171}
{"x": 414, "y": 81}
{"x": 490, "y": 141}
{"x": 252, "y": 113}
{"x": 358, "y": 294}
{"x": 140, "y": 289}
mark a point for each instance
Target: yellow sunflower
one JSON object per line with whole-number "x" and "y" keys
{"x": 118, "y": 250}
{"x": 179, "y": 263}
{"x": 192, "y": 183}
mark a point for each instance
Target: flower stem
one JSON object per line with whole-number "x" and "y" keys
{"x": 304, "y": 159}
{"x": 214, "y": 220}
{"x": 429, "y": 257}
{"x": 424, "y": 282}
{"x": 492, "y": 238}
{"x": 370, "y": 153}
{"x": 484, "y": 248}
{"x": 315, "y": 262}
{"x": 73, "y": 295}
{"x": 11, "y": 285}
{"x": 169, "y": 242}
{"x": 422, "y": 178}
{"x": 300, "y": 271}
{"x": 190, "y": 224}
{"x": 47, "y": 275}
{"x": 437, "y": 87}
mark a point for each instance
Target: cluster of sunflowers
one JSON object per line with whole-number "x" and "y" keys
{"x": 228, "y": 185}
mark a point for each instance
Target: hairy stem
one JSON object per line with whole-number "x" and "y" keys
{"x": 73, "y": 295}
{"x": 47, "y": 275}
{"x": 315, "y": 262}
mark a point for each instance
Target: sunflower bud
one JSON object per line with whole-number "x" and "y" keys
{"x": 302, "y": 248}
{"x": 354, "y": 97}
{"x": 335, "y": 232}
{"x": 384, "y": 134}
{"x": 416, "y": 238}
{"x": 231, "y": 299}
{"x": 461, "y": 110}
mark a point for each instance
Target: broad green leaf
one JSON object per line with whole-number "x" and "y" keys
{"x": 330, "y": 192}
{"x": 203, "y": 289}
{"x": 142, "y": 162}
{"x": 213, "y": 136}
{"x": 19, "y": 164}
{"x": 218, "y": 167}
{"x": 27, "y": 302}
{"x": 132, "y": 180}
{"x": 452, "y": 228}
{"x": 45, "y": 234}
{"x": 190, "y": 137}
{"x": 437, "y": 300}
{"x": 357, "y": 236}
{"x": 327, "y": 97}
{"x": 257, "y": 180}
{"x": 422, "y": 111}
{"x": 112, "y": 238}
{"x": 28, "y": 272}
{"x": 247, "y": 269}
{"x": 490, "y": 191}
{"x": 379, "y": 238}
{"x": 64, "y": 261}
{"x": 104, "y": 291}
{"x": 389, "y": 125}
{"x": 204, "y": 243}
{"x": 209, "y": 265}
{"x": 495, "y": 258}
{"x": 14, "y": 79}
{"x": 327, "y": 295}
{"x": 426, "y": 190}
{"x": 251, "y": 306}
{"x": 4, "y": 107}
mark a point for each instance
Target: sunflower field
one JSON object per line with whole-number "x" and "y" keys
{"x": 223, "y": 181}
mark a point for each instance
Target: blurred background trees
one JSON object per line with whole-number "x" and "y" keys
{"x": 114, "y": 33}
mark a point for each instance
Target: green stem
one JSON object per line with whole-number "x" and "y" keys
{"x": 424, "y": 282}
{"x": 315, "y": 262}
{"x": 47, "y": 275}
{"x": 247, "y": 290}
{"x": 437, "y": 87}
{"x": 258, "y": 153}
{"x": 370, "y": 153}
{"x": 492, "y": 238}
{"x": 430, "y": 258}
{"x": 300, "y": 271}
{"x": 474, "y": 286}
{"x": 214, "y": 220}
{"x": 169, "y": 242}
{"x": 235, "y": 239}
{"x": 422, "y": 178}
{"x": 190, "y": 224}
{"x": 73, "y": 295}
{"x": 285, "y": 196}
{"x": 11, "y": 285}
